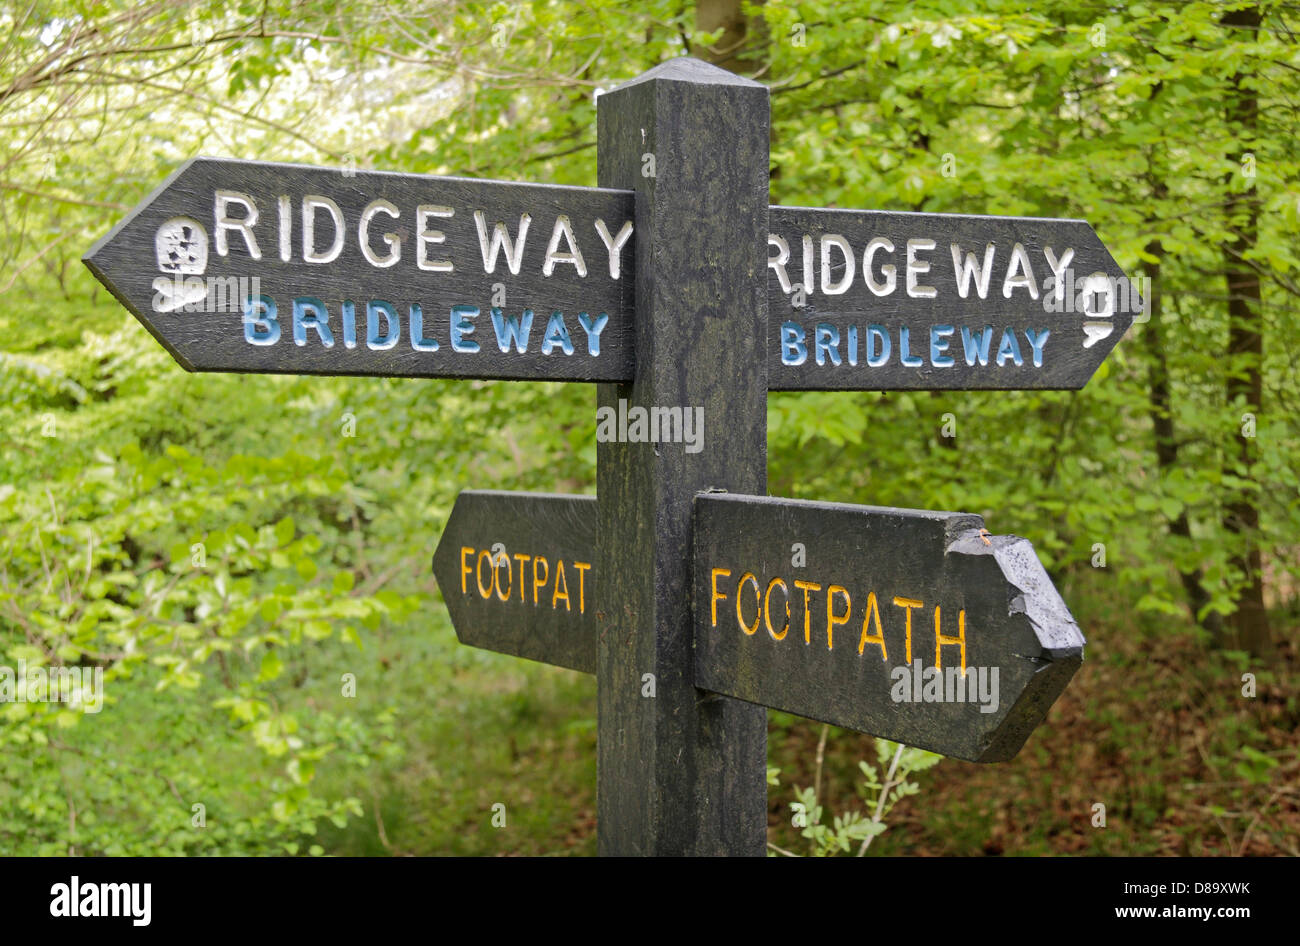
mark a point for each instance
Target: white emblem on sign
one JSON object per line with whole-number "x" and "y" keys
{"x": 1098, "y": 284}
{"x": 181, "y": 245}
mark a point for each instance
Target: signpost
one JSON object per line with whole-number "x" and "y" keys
{"x": 279, "y": 268}
{"x": 890, "y": 301}
{"x": 406, "y": 275}
{"x": 887, "y": 621}
{"x": 517, "y": 573}
{"x": 916, "y": 626}
{"x": 695, "y": 599}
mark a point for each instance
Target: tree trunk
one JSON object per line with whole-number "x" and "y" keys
{"x": 1245, "y": 352}
{"x": 733, "y": 50}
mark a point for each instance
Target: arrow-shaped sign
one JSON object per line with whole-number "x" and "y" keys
{"x": 257, "y": 267}
{"x": 916, "y": 626}
{"x": 252, "y": 266}
{"x": 858, "y": 616}
{"x": 517, "y": 573}
{"x": 871, "y": 299}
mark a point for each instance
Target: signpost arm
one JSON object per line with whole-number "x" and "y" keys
{"x": 681, "y": 771}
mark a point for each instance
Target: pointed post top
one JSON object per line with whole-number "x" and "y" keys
{"x": 692, "y": 70}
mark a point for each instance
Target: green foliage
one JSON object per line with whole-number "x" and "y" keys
{"x": 856, "y": 829}
{"x": 222, "y": 680}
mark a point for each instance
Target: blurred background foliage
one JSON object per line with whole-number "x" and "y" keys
{"x": 1164, "y": 497}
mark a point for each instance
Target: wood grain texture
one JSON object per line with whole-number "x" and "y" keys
{"x": 1066, "y": 363}
{"x": 683, "y": 772}
{"x": 125, "y": 261}
{"x": 539, "y": 601}
{"x": 1014, "y": 619}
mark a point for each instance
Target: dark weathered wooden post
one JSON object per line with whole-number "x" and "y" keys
{"x": 682, "y": 771}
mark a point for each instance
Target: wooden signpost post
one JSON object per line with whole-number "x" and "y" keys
{"x": 695, "y": 599}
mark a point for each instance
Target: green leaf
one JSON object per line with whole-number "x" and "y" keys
{"x": 271, "y": 667}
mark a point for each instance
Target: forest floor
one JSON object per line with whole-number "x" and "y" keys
{"x": 1154, "y": 727}
{"x": 1182, "y": 762}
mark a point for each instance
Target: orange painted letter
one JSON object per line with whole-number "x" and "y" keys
{"x": 725, "y": 573}
{"x": 941, "y": 639}
{"x": 484, "y": 556}
{"x": 582, "y": 594}
{"x": 465, "y": 551}
{"x": 873, "y": 610}
{"x": 539, "y": 583}
{"x": 909, "y": 604}
{"x": 767, "y": 609}
{"x": 561, "y": 582}
{"x": 831, "y": 619}
{"x": 805, "y": 587}
{"x": 748, "y": 576}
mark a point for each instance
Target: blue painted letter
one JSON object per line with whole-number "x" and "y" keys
{"x": 257, "y": 312}
{"x": 374, "y": 340}
{"x": 939, "y": 345}
{"x": 462, "y": 326}
{"x": 877, "y": 356}
{"x": 1009, "y": 350}
{"x": 976, "y": 346}
{"x": 310, "y": 312}
{"x": 349, "y": 324}
{"x": 593, "y": 330}
{"x": 793, "y": 350}
{"x": 557, "y": 333}
{"x": 904, "y": 356}
{"x": 418, "y": 341}
{"x": 509, "y": 330}
{"x": 1036, "y": 342}
{"x": 826, "y": 343}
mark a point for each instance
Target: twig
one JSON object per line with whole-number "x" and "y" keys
{"x": 1245, "y": 837}
{"x": 171, "y": 785}
{"x": 33, "y": 261}
{"x": 79, "y": 201}
{"x": 884, "y": 794}
{"x": 821, "y": 754}
{"x": 379, "y": 825}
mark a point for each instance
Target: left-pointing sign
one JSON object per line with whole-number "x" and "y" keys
{"x": 517, "y": 573}
{"x": 256, "y": 267}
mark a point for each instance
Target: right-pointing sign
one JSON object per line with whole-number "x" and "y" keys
{"x": 916, "y": 626}
{"x": 881, "y": 300}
